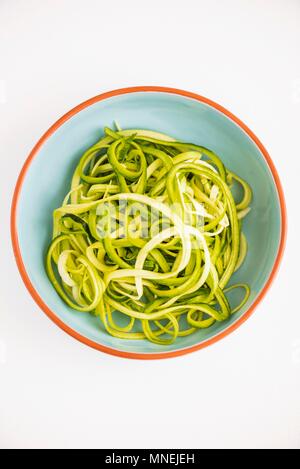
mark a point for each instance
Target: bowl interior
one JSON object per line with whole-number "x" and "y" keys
{"x": 48, "y": 178}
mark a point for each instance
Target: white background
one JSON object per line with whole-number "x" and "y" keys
{"x": 242, "y": 392}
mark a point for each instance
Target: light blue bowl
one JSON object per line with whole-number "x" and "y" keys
{"x": 185, "y": 116}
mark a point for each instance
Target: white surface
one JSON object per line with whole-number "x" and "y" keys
{"x": 242, "y": 392}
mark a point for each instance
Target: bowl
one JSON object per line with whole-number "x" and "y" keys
{"x": 186, "y": 116}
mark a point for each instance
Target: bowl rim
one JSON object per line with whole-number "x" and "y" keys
{"x": 69, "y": 330}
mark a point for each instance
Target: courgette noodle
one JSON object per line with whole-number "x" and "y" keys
{"x": 150, "y": 229}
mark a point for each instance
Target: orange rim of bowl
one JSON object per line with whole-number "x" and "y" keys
{"x": 52, "y": 315}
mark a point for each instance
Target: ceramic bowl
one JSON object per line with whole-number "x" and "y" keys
{"x": 46, "y": 175}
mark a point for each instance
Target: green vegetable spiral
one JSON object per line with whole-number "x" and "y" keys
{"x": 150, "y": 229}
